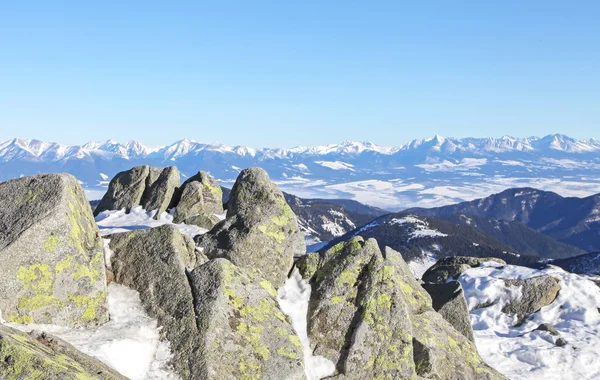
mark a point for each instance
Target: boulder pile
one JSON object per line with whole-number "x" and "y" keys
{"x": 215, "y": 296}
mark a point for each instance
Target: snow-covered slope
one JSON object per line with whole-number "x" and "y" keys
{"x": 522, "y": 352}
{"x": 429, "y": 172}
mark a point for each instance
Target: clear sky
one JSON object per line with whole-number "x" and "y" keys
{"x": 287, "y": 73}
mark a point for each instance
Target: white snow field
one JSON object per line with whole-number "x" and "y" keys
{"x": 521, "y": 352}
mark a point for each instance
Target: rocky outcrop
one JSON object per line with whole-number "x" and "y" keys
{"x": 154, "y": 263}
{"x": 160, "y": 187}
{"x": 452, "y": 267}
{"x": 536, "y": 292}
{"x": 370, "y": 316}
{"x": 152, "y": 188}
{"x": 221, "y": 321}
{"x": 198, "y": 200}
{"x": 449, "y": 300}
{"x": 125, "y": 190}
{"x": 42, "y": 356}
{"x": 260, "y": 232}
{"x": 242, "y": 332}
{"x": 52, "y": 255}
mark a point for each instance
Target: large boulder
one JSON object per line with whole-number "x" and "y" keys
{"x": 42, "y": 356}
{"x": 449, "y": 300}
{"x": 452, "y": 267}
{"x": 260, "y": 232}
{"x": 154, "y": 263}
{"x": 52, "y": 256}
{"x": 125, "y": 190}
{"x": 160, "y": 187}
{"x": 152, "y": 188}
{"x": 536, "y": 292}
{"x": 366, "y": 311}
{"x": 242, "y": 332}
{"x": 198, "y": 200}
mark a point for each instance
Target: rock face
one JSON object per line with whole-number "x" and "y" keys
{"x": 260, "y": 232}
{"x": 125, "y": 190}
{"x": 51, "y": 252}
{"x": 198, "y": 199}
{"x": 449, "y": 300}
{"x": 243, "y": 334}
{"x": 42, "y": 356}
{"x": 452, "y": 267}
{"x": 370, "y": 316}
{"x": 536, "y": 292}
{"x": 222, "y": 322}
{"x": 154, "y": 263}
{"x": 152, "y": 188}
{"x": 160, "y": 187}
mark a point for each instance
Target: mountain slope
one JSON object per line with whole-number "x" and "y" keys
{"x": 424, "y": 240}
{"x": 518, "y": 236}
{"x": 429, "y": 172}
{"x": 574, "y": 221}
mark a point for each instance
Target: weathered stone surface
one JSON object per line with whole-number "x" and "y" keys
{"x": 154, "y": 263}
{"x": 364, "y": 313}
{"x": 159, "y": 190}
{"x": 243, "y": 334}
{"x": 42, "y": 356}
{"x": 203, "y": 220}
{"x": 125, "y": 190}
{"x": 260, "y": 232}
{"x": 449, "y": 300}
{"x": 549, "y": 328}
{"x": 452, "y": 267}
{"x": 444, "y": 353}
{"x": 536, "y": 292}
{"x": 198, "y": 200}
{"x": 205, "y": 197}
{"x": 51, "y": 253}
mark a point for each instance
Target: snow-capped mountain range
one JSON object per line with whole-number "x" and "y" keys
{"x": 427, "y": 172}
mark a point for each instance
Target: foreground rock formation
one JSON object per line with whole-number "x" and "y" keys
{"x": 260, "y": 232}
{"x": 43, "y": 356}
{"x": 214, "y": 296}
{"x": 373, "y": 319}
{"x": 52, "y": 267}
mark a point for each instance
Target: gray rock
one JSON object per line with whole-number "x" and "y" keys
{"x": 549, "y": 328}
{"x": 364, "y": 314}
{"x": 42, "y": 356}
{"x": 211, "y": 196}
{"x": 203, "y": 220}
{"x": 536, "y": 292}
{"x": 449, "y": 300}
{"x": 452, "y": 267}
{"x": 243, "y": 334}
{"x": 561, "y": 342}
{"x": 160, "y": 187}
{"x": 198, "y": 200}
{"x": 52, "y": 255}
{"x": 260, "y": 232}
{"x": 441, "y": 352}
{"x": 154, "y": 263}
{"x": 125, "y": 190}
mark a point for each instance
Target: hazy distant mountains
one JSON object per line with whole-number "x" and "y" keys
{"x": 426, "y": 173}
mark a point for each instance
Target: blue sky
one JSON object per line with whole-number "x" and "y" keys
{"x": 283, "y": 73}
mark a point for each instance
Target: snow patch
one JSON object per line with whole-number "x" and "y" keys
{"x": 112, "y": 221}
{"x": 293, "y": 300}
{"x": 522, "y": 352}
{"x": 129, "y": 342}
